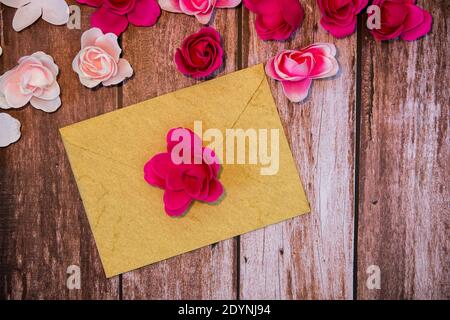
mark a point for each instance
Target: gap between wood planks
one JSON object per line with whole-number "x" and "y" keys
{"x": 240, "y": 65}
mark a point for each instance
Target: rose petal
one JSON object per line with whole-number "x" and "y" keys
{"x": 227, "y": 3}
{"x": 92, "y": 3}
{"x": 124, "y": 71}
{"x": 339, "y": 31}
{"x": 89, "y": 37}
{"x": 152, "y": 178}
{"x": 170, "y": 5}
{"x": 108, "y": 21}
{"x": 9, "y": 130}
{"x": 296, "y": 91}
{"x": 204, "y": 18}
{"x": 420, "y": 30}
{"x": 47, "y": 61}
{"x": 192, "y": 185}
{"x": 161, "y": 164}
{"x": 270, "y": 70}
{"x": 46, "y": 105}
{"x": 215, "y": 191}
{"x": 176, "y": 202}
{"x": 50, "y": 93}
{"x": 14, "y": 97}
{"x": 26, "y": 16}
{"x": 324, "y": 67}
{"x": 109, "y": 43}
{"x": 174, "y": 179}
{"x": 3, "y": 102}
{"x": 55, "y": 11}
{"x": 15, "y": 3}
{"x": 145, "y": 13}
{"x": 323, "y": 48}
{"x": 89, "y": 83}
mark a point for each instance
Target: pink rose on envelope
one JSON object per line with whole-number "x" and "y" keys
{"x": 296, "y": 69}
{"x": 276, "y": 20}
{"x": 114, "y": 15}
{"x": 187, "y": 172}
{"x": 402, "y": 18}
{"x": 201, "y": 9}
{"x": 339, "y": 17}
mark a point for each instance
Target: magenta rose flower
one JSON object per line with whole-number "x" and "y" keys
{"x": 185, "y": 181}
{"x": 402, "y": 18}
{"x": 201, "y": 9}
{"x": 200, "y": 54}
{"x": 340, "y": 17}
{"x": 276, "y": 20}
{"x": 296, "y": 69}
{"x": 113, "y": 16}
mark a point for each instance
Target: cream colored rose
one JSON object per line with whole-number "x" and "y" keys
{"x": 99, "y": 60}
{"x": 32, "y": 80}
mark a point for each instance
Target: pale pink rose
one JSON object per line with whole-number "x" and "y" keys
{"x": 296, "y": 69}
{"x": 32, "y": 80}
{"x": 99, "y": 60}
{"x": 201, "y": 9}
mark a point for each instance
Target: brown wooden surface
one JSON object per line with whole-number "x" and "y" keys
{"x": 375, "y": 135}
{"x": 43, "y": 228}
{"x": 208, "y": 273}
{"x": 309, "y": 257}
{"x": 404, "y": 216}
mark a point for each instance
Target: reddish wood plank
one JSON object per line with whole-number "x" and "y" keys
{"x": 209, "y": 272}
{"x": 404, "y": 177}
{"x": 311, "y": 256}
{"x": 43, "y": 227}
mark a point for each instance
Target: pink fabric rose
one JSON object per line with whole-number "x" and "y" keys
{"x": 186, "y": 181}
{"x": 34, "y": 81}
{"x": 201, "y": 9}
{"x": 297, "y": 68}
{"x": 340, "y": 17}
{"x": 276, "y": 20}
{"x": 99, "y": 60}
{"x": 200, "y": 54}
{"x": 114, "y": 15}
{"x": 402, "y": 18}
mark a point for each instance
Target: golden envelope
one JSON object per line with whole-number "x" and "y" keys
{"x": 127, "y": 216}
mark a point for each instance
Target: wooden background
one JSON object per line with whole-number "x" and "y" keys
{"x": 372, "y": 148}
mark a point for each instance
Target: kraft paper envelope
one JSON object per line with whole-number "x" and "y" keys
{"x": 127, "y": 216}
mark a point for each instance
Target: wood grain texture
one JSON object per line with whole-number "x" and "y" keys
{"x": 404, "y": 217}
{"x": 309, "y": 257}
{"x": 43, "y": 227}
{"x": 403, "y": 151}
{"x": 210, "y": 272}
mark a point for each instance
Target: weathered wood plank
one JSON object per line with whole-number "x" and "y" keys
{"x": 311, "y": 256}
{"x": 43, "y": 227}
{"x": 208, "y": 272}
{"x": 404, "y": 176}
